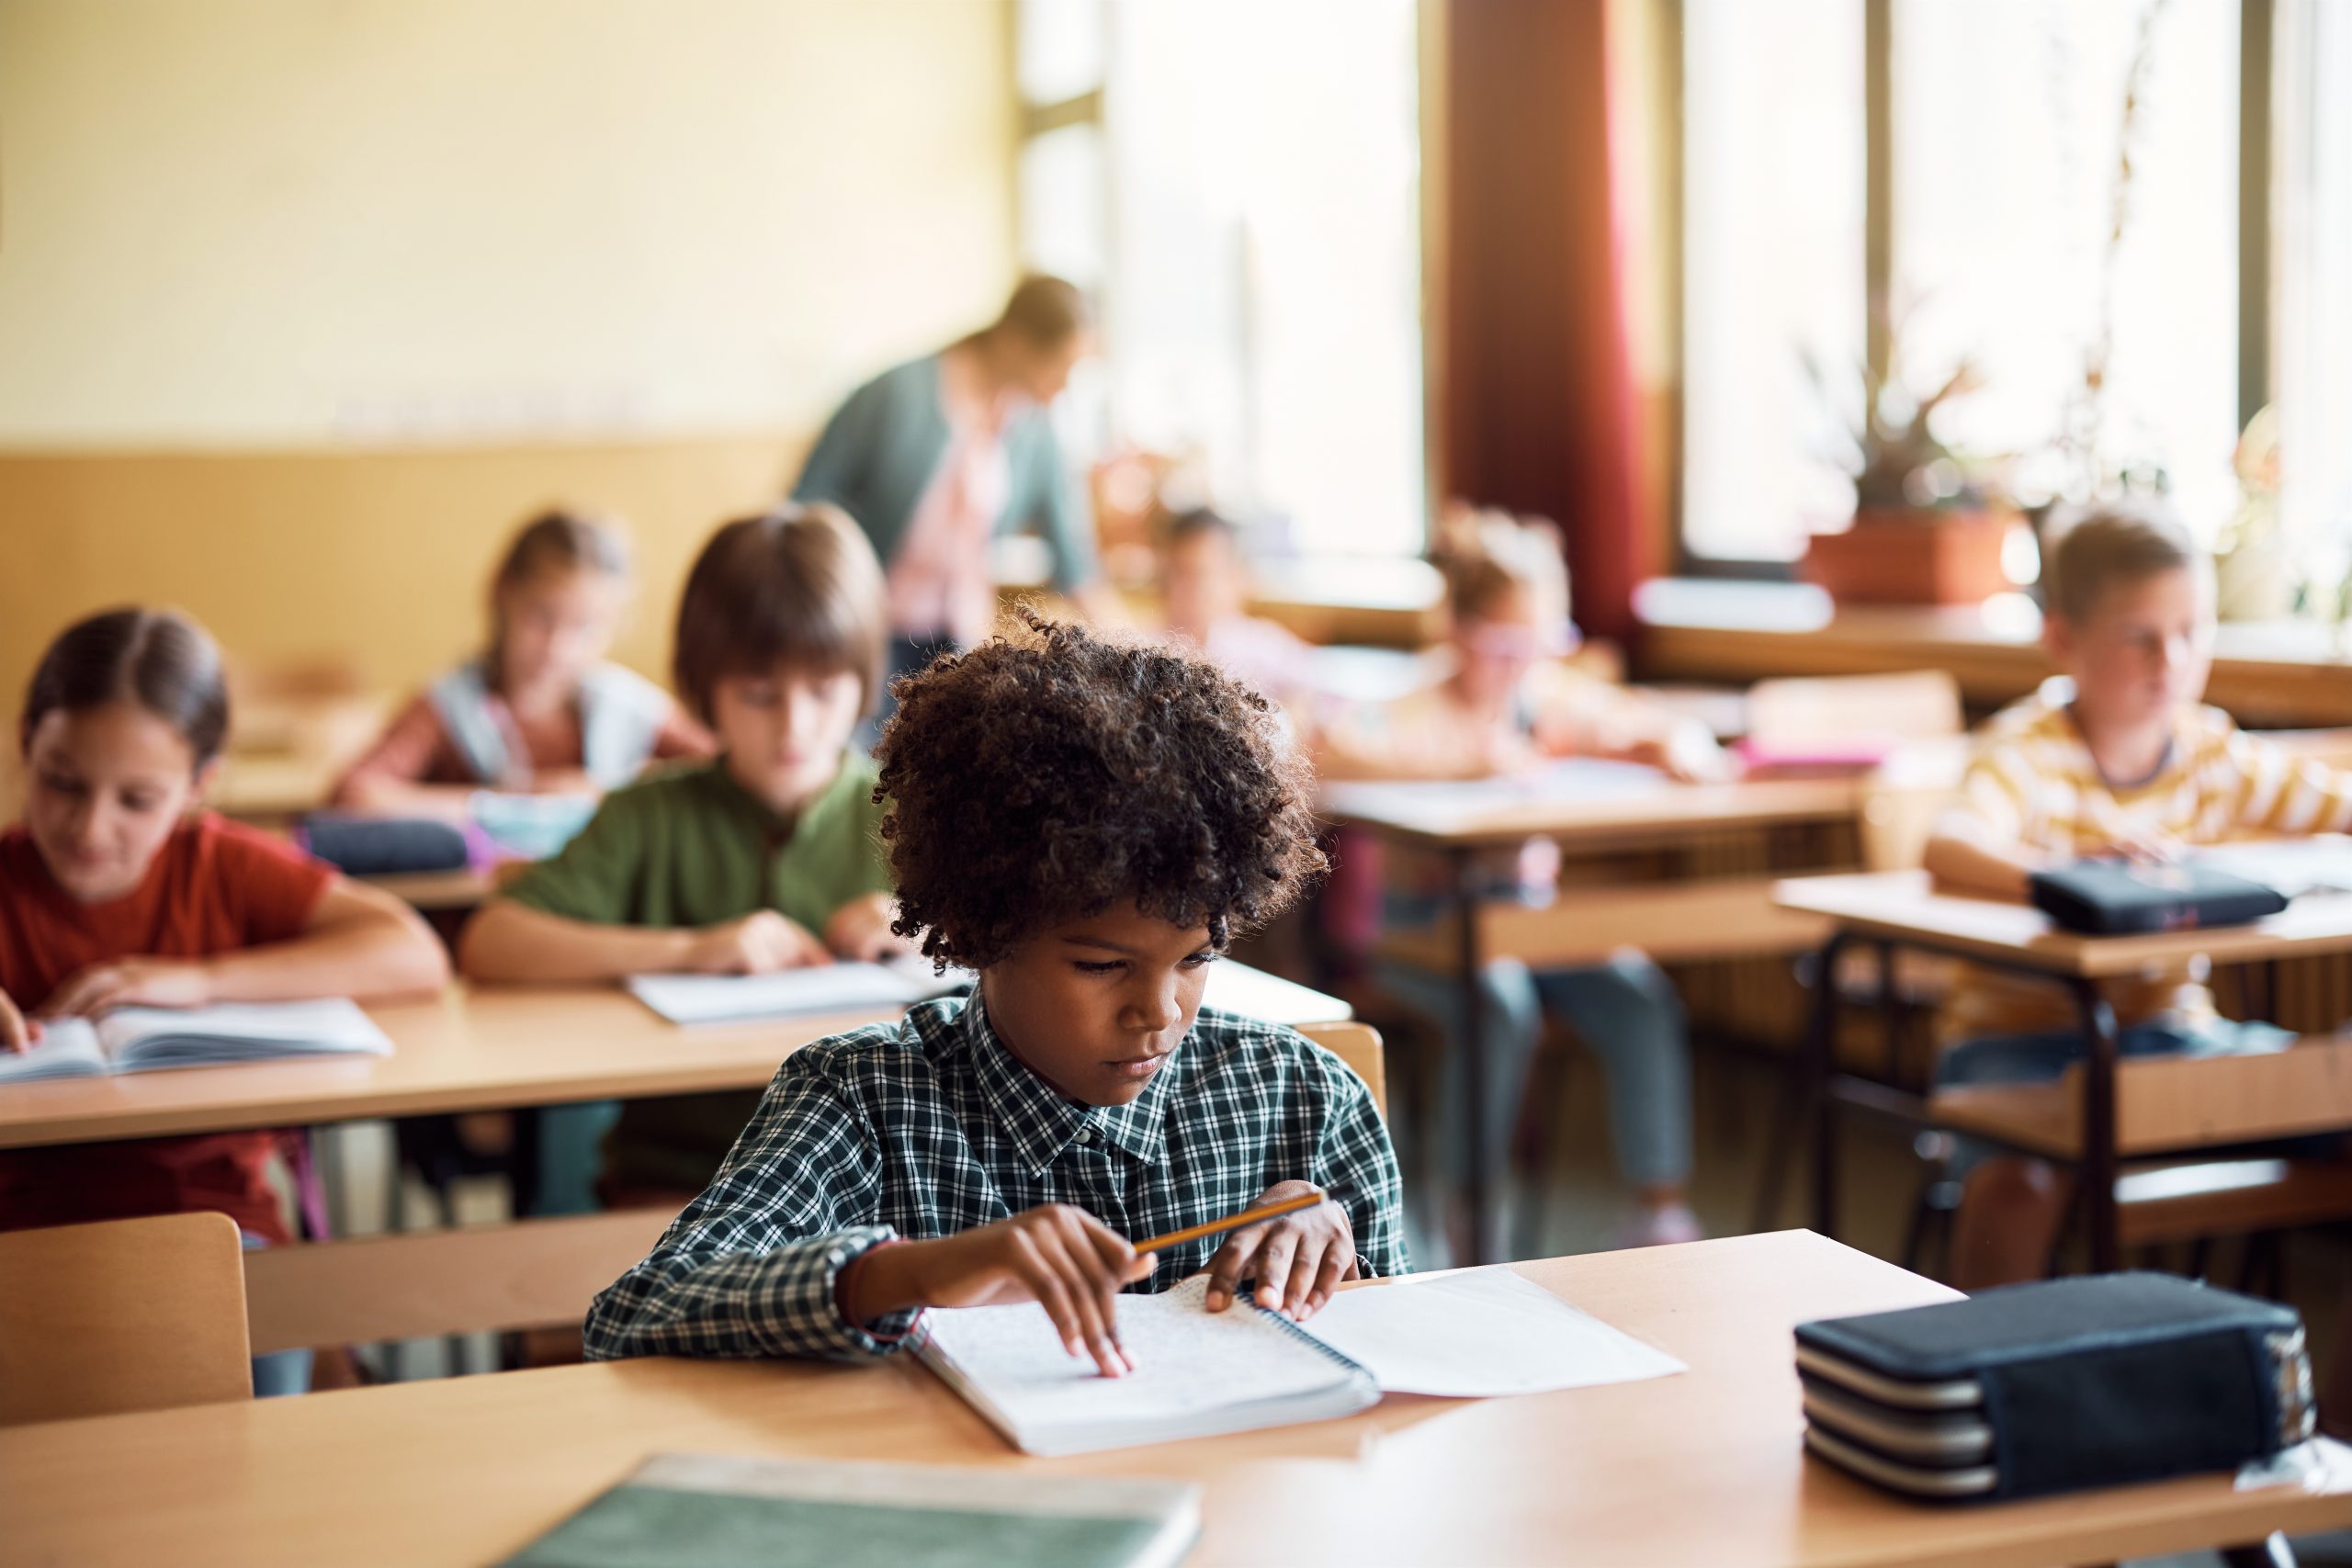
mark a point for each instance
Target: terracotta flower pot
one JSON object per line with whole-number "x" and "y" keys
{"x": 1912, "y": 557}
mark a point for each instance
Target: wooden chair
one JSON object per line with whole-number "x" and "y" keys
{"x": 121, "y": 1315}
{"x": 1357, "y": 1044}
{"x": 429, "y": 1284}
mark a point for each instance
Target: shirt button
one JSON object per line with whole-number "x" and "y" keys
{"x": 1086, "y": 1135}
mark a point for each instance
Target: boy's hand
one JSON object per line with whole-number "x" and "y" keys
{"x": 16, "y": 1033}
{"x": 760, "y": 943}
{"x": 1684, "y": 752}
{"x": 1296, "y": 1260}
{"x": 1059, "y": 1257}
{"x": 131, "y": 982}
{"x": 2149, "y": 847}
{"x": 861, "y": 928}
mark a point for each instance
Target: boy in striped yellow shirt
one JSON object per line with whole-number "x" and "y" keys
{"x": 2117, "y": 756}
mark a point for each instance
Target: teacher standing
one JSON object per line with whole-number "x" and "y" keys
{"x": 936, "y": 456}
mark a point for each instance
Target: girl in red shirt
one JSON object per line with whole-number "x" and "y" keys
{"x": 115, "y": 891}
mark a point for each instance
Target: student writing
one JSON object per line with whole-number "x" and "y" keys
{"x": 1087, "y": 824}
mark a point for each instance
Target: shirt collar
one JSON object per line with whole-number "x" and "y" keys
{"x": 1041, "y": 1123}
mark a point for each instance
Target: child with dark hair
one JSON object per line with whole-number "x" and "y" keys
{"x": 1087, "y": 824}
{"x": 115, "y": 891}
{"x": 540, "y": 711}
{"x": 767, "y": 858}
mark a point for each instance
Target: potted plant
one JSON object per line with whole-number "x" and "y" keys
{"x": 1928, "y": 525}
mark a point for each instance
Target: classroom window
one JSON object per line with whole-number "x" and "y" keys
{"x": 2000, "y": 135}
{"x": 1257, "y": 242}
{"x": 1774, "y": 268}
{"x": 2312, "y": 327}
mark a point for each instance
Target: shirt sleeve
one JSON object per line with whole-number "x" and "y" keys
{"x": 598, "y": 876}
{"x": 751, "y": 1267}
{"x": 1993, "y": 809}
{"x": 1061, "y": 510}
{"x": 1355, "y": 1163}
{"x": 277, "y": 887}
{"x": 2279, "y": 793}
{"x": 404, "y": 753}
{"x": 835, "y": 468}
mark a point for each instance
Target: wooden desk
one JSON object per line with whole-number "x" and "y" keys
{"x": 1619, "y": 810}
{"x": 1700, "y": 1469}
{"x": 491, "y": 1048}
{"x": 2282, "y": 675}
{"x": 1899, "y": 909}
{"x": 438, "y": 892}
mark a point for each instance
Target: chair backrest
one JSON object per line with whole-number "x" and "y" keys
{"x": 121, "y": 1315}
{"x": 1912, "y": 706}
{"x": 425, "y": 1284}
{"x": 1357, "y": 1044}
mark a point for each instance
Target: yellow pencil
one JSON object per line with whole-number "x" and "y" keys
{"x": 1246, "y": 1217}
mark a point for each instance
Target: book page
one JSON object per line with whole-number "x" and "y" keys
{"x": 1480, "y": 1332}
{"x": 1187, "y": 1360}
{"x": 825, "y": 987}
{"x": 1439, "y": 805}
{"x": 241, "y": 1030}
{"x": 68, "y": 1048}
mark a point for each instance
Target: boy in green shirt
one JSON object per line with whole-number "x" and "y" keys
{"x": 767, "y": 858}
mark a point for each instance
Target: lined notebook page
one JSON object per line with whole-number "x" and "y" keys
{"x": 1188, "y": 1359}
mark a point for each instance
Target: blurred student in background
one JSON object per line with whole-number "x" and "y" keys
{"x": 540, "y": 711}
{"x": 934, "y": 458}
{"x": 1506, "y": 704}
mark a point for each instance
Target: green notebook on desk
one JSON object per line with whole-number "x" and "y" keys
{"x": 723, "y": 1511}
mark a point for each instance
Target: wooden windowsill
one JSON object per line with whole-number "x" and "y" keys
{"x": 2266, "y": 674}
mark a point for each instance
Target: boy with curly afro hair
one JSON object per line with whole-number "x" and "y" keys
{"x": 1087, "y": 824}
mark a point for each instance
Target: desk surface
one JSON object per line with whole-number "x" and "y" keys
{"x": 1703, "y": 1468}
{"x": 488, "y": 1048}
{"x": 1906, "y": 907}
{"x": 1585, "y": 804}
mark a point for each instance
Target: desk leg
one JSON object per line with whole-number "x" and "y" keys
{"x": 1476, "y": 1161}
{"x": 1820, "y": 1056}
{"x": 2099, "y": 1159}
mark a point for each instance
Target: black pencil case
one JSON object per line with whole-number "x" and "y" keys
{"x": 2116, "y": 898}
{"x": 384, "y": 846}
{"x": 2056, "y": 1386}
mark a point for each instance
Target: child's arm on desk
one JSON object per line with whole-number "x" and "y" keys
{"x": 509, "y": 941}
{"x": 1580, "y": 717}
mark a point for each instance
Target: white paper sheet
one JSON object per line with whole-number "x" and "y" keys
{"x": 827, "y": 988}
{"x": 1478, "y": 1333}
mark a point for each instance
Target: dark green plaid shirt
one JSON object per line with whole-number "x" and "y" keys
{"x": 930, "y": 1126}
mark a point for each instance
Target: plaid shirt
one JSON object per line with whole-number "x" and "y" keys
{"x": 930, "y": 1126}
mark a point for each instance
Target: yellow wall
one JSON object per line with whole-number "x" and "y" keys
{"x": 303, "y": 305}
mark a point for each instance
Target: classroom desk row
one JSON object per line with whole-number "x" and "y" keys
{"x": 2213, "y": 1103}
{"x": 1701, "y": 1468}
{"x": 494, "y": 1048}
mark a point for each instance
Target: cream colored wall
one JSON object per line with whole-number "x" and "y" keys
{"x": 303, "y": 302}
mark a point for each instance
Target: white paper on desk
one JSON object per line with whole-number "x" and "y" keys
{"x": 1437, "y": 804}
{"x": 824, "y": 987}
{"x": 1479, "y": 1333}
{"x": 2319, "y": 864}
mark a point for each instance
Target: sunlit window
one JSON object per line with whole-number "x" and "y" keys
{"x": 1772, "y": 238}
{"x": 1258, "y": 245}
{"x": 2313, "y": 323}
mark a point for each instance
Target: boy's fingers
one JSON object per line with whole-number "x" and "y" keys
{"x": 1047, "y": 1286}
{"x": 1326, "y": 1279}
{"x": 1089, "y": 1305}
{"x": 1304, "y": 1269}
{"x": 1273, "y": 1264}
{"x": 1227, "y": 1268}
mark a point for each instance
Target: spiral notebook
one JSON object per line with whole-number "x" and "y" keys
{"x": 1477, "y": 1333}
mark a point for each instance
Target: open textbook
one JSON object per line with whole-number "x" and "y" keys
{"x": 136, "y": 1040}
{"x": 1477, "y": 1333}
{"x": 843, "y": 987}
